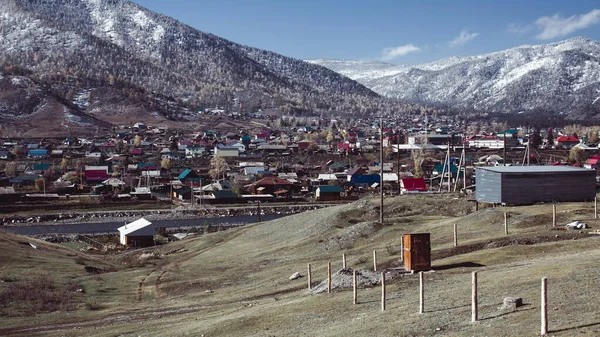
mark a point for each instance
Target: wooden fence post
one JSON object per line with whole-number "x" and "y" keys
{"x": 455, "y": 236}
{"x": 421, "y": 294}
{"x": 344, "y": 261}
{"x": 474, "y": 309}
{"x": 374, "y": 260}
{"x": 553, "y": 215}
{"x": 595, "y": 207}
{"x": 505, "y": 224}
{"x": 309, "y": 275}
{"x": 544, "y": 311}
{"x": 382, "y": 291}
{"x": 354, "y": 287}
{"x": 328, "y": 277}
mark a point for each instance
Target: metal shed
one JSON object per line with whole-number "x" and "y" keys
{"x": 139, "y": 233}
{"x": 525, "y": 185}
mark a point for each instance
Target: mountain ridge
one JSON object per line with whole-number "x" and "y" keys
{"x": 163, "y": 65}
{"x": 503, "y": 81}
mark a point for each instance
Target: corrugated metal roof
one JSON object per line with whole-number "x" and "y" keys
{"x": 139, "y": 227}
{"x": 329, "y": 189}
{"x": 533, "y": 169}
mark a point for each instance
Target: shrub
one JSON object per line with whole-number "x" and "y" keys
{"x": 34, "y": 296}
{"x": 92, "y": 306}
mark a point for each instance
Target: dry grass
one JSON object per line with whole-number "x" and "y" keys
{"x": 236, "y": 282}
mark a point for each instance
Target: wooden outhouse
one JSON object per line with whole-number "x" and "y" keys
{"x": 417, "y": 252}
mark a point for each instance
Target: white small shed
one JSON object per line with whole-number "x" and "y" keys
{"x": 139, "y": 233}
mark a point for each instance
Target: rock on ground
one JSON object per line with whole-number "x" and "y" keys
{"x": 343, "y": 279}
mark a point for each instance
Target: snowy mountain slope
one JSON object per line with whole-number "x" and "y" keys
{"x": 153, "y": 59}
{"x": 562, "y": 76}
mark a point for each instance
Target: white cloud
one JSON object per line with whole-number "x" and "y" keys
{"x": 388, "y": 54}
{"x": 518, "y": 29}
{"x": 557, "y": 26}
{"x": 462, "y": 38}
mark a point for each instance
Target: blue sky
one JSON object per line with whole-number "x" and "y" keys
{"x": 394, "y": 31}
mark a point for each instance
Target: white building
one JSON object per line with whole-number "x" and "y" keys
{"x": 139, "y": 233}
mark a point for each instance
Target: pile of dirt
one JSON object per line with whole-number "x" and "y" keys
{"x": 342, "y": 279}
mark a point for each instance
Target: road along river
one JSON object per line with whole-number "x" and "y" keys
{"x": 111, "y": 227}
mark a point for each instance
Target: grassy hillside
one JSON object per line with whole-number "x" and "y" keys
{"x": 236, "y": 283}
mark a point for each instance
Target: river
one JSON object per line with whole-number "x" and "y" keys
{"x": 111, "y": 227}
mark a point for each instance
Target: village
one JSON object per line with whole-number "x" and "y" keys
{"x": 286, "y": 160}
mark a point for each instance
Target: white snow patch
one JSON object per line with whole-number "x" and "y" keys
{"x": 596, "y": 100}
{"x": 105, "y": 23}
{"x": 17, "y": 81}
{"x": 523, "y": 70}
{"x": 82, "y": 99}
{"x": 159, "y": 33}
{"x": 69, "y": 117}
{"x": 141, "y": 19}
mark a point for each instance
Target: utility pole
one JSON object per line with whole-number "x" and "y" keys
{"x": 504, "y": 138}
{"x": 449, "y": 170}
{"x": 381, "y": 169}
{"x": 398, "y": 160}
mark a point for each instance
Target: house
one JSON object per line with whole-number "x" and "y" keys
{"x": 24, "y": 180}
{"x": 412, "y": 185}
{"x": 326, "y": 177}
{"x": 96, "y": 174}
{"x": 263, "y": 135}
{"x": 270, "y": 185}
{"x": 592, "y": 163}
{"x": 139, "y": 233}
{"x": 253, "y": 170}
{"x": 328, "y": 193}
{"x": 221, "y": 185}
{"x": 37, "y": 153}
{"x": 566, "y": 142}
{"x": 222, "y": 197}
{"x": 5, "y": 155}
{"x": 356, "y": 171}
{"x": 364, "y": 180}
{"x": 189, "y": 177}
{"x": 226, "y": 151}
{"x": 136, "y": 152}
{"x": 194, "y": 151}
{"x": 40, "y": 168}
{"x": 240, "y": 146}
{"x": 271, "y": 148}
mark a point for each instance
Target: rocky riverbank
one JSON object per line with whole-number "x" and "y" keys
{"x": 171, "y": 214}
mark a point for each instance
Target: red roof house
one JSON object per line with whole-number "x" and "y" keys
{"x": 412, "y": 185}
{"x": 593, "y": 163}
{"x": 270, "y": 185}
{"x": 567, "y": 141}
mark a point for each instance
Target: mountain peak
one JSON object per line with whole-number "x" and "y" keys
{"x": 560, "y": 76}
{"x": 159, "y": 65}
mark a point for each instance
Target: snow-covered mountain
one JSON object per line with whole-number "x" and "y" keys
{"x": 557, "y": 77}
{"x": 90, "y": 46}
